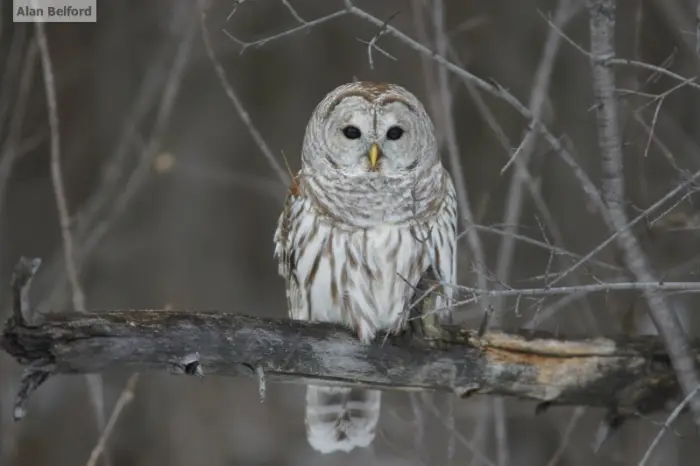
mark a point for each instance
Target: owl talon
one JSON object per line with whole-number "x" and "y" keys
{"x": 431, "y": 327}
{"x": 425, "y": 327}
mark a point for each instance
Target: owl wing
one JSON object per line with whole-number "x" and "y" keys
{"x": 441, "y": 249}
{"x": 286, "y": 253}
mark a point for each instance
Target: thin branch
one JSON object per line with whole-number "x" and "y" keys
{"x": 555, "y": 250}
{"x": 372, "y": 43}
{"x": 602, "y": 27}
{"x": 627, "y": 228}
{"x": 441, "y": 102}
{"x": 293, "y": 12}
{"x": 10, "y": 149}
{"x": 261, "y": 185}
{"x": 11, "y": 67}
{"x": 667, "y": 424}
{"x": 564, "y": 12}
{"x": 93, "y": 227}
{"x": 490, "y": 119}
{"x": 521, "y": 179}
{"x": 56, "y": 172}
{"x": 303, "y": 27}
{"x": 477, "y": 454}
{"x": 616, "y": 61}
{"x": 660, "y": 99}
{"x": 690, "y": 287}
{"x": 566, "y": 436}
{"x": 94, "y": 382}
{"x": 550, "y": 311}
{"x": 443, "y": 107}
{"x": 126, "y": 396}
{"x": 238, "y": 105}
{"x": 515, "y": 197}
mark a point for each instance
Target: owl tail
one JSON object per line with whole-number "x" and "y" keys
{"x": 340, "y": 419}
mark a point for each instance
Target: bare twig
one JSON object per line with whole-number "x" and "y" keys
{"x": 616, "y": 61}
{"x": 263, "y": 185}
{"x": 555, "y": 250}
{"x": 418, "y": 425}
{"x": 91, "y": 228}
{"x": 372, "y": 43}
{"x": 56, "y": 173}
{"x": 563, "y": 13}
{"x": 606, "y": 287}
{"x": 303, "y": 27}
{"x": 11, "y": 66}
{"x": 478, "y": 455}
{"x": 94, "y": 382}
{"x": 566, "y": 436}
{"x": 602, "y": 27}
{"x": 126, "y": 396}
{"x": 489, "y": 117}
{"x": 443, "y": 108}
{"x": 90, "y": 234}
{"x": 550, "y": 311}
{"x": 515, "y": 198}
{"x": 660, "y": 99}
{"x": 441, "y": 102}
{"x": 10, "y": 149}
{"x": 238, "y": 105}
{"x": 667, "y": 424}
{"x": 627, "y": 228}
{"x": 293, "y": 12}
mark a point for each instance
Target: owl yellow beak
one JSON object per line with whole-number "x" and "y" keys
{"x": 374, "y": 154}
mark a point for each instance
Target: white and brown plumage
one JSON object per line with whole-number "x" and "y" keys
{"x": 370, "y": 213}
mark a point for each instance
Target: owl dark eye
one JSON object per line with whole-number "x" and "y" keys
{"x": 352, "y": 132}
{"x": 394, "y": 133}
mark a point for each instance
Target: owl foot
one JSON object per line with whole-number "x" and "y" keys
{"x": 427, "y": 327}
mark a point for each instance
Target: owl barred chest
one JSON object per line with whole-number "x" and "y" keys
{"x": 363, "y": 278}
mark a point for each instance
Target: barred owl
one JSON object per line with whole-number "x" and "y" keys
{"x": 370, "y": 213}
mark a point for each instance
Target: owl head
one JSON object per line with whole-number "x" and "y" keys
{"x": 365, "y": 129}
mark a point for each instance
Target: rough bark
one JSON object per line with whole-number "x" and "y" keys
{"x": 623, "y": 375}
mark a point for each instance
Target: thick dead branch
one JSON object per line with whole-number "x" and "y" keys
{"x": 628, "y": 376}
{"x": 535, "y": 366}
{"x": 625, "y": 376}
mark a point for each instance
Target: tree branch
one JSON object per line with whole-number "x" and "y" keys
{"x": 627, "y": 376}
{"x": 602, "y": 27}
{"x": 530, "y": 365}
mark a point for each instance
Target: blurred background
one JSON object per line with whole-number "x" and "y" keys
{"x": 173, "y": 205}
